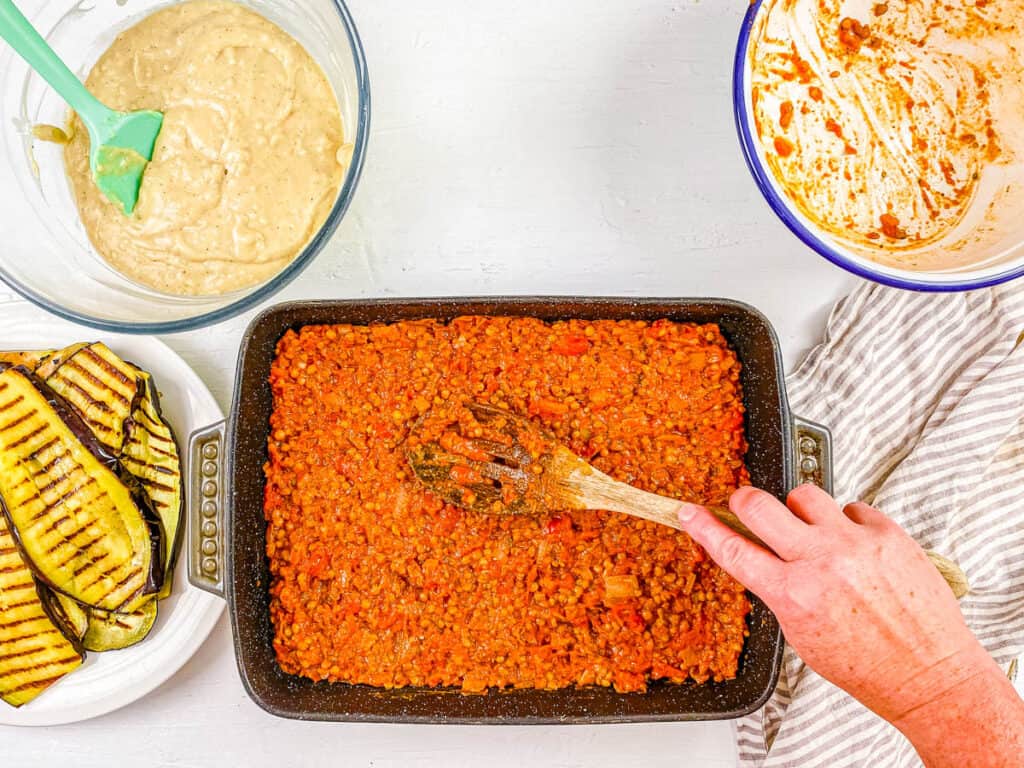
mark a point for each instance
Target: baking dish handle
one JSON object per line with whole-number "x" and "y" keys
{"x": 813, "y": 453}
{"x": 205, "y": 505}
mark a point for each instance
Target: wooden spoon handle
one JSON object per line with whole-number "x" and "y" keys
{"x": 598, "y": 491}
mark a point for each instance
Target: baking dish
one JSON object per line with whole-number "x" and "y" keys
{"x": 227, "y": 537}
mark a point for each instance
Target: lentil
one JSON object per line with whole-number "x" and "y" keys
{"x": 376, "y": 581}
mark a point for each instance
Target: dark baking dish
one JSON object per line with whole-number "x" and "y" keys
{"x": 228, "y": 532}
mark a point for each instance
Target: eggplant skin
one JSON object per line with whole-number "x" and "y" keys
{"x": 67, "y": 615}
{"x": 95, "y": 434}
{"x": 151, "y": 455}
{"x": 34, "y": 653}
{"x": 157, "y": 537}
{"x": 100, "y": 386}
{"x": 76, "y": 523}
{"x": 93, "y": 629}
{"x": 119, "y": 403}
{"x": 70, "y": 416}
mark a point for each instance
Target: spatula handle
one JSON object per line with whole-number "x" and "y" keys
{"x": 598, "y": 491}
{"x": 23, "y": 37}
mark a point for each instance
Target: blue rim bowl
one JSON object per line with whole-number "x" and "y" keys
{"x": 907, "y": 279}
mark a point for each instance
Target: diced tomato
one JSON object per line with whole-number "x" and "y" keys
{"x": 628, "y": 615}
{"x": 447, "y": 519}
{"x": 571, "y": 345}
{"x": 316, "y": 562}
{"x": 545, "y": 407}
{"x": 558, "y": 525}
{"x": 346, "y": 467}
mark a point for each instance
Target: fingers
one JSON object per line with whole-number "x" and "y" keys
{"x": 814, "y": 506}
{"x": 862, "y": 514}
{"x": 751, "y": 565}
{"x": 775, "y": 525}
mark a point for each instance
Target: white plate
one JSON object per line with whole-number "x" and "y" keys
{"x": 113, "y": 679}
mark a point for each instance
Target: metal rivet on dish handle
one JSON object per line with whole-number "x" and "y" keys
{"x": 814, "y": 465}
{"x": 813, "y": 454}
{"x": 205, "y": 504}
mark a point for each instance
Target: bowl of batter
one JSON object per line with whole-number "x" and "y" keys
{"x": 887, "y": 135}
{"x": 266, "y": 116}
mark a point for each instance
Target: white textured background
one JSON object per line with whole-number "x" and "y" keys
{"x": 573, "y": 147}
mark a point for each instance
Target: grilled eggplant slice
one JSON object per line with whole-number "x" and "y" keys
{"x": 109, "y": 631}
{"x": 98, "y": 384}
{"x": 119, "y": 403}
{"x": 76, "y": 524}
{"x": 70, "y": 618}
{"x": 34, "y": 653}
{"x": 151, "y": 455}
{"x": 94, "y": 629}
{"x": 31, "y": 359}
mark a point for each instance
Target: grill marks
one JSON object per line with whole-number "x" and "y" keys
{"x": 65, "y": 456}
{"x": 151, "y": 456}
{"x": 111, "y": 573}
{"x": 33, "y": 652}
{"x": 117, "y": 402}
{"x": 100, "y": 386}
{"x": 75, "y": 518}
{"x": 66, "y": 497}
{"x": 17, "y": 421}
{"x": 153, "y": 433}
{"x": 118, "y": 630}
{"x": 15, "y": 623}
{"x": 10, "y": 403}
{"x": 25, "y": 438}
{"x": 89, "y": 563}
{"x": 154, "y": 485}
{"x": 22, "y": 604}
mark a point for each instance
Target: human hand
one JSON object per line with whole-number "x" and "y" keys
{"x": 856, "y": 596}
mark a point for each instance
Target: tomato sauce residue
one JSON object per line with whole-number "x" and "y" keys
{"x": 377, "y": 581}
{"x": 785, "y": 115}
{"x": 927, "y": 93}
{"x": 891, "y": 227}
{"x": 853, "y": 34}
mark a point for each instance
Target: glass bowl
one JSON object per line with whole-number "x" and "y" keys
{"x": 46, "y": 255}
{"x": 1000, "y": 260}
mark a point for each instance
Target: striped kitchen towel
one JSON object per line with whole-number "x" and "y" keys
{"x": 925, "y": 398}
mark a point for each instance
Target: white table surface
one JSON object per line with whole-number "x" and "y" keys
{"x": 572, "y": 147}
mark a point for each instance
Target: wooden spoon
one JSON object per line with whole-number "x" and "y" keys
{"x": 505, "y": 464}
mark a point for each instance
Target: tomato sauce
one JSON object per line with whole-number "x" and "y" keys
{"x": 377, "y": 581}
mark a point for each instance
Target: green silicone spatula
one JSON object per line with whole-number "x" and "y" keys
{"x": 120, "y": 143}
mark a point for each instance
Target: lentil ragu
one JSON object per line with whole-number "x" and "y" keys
{"x": 376, "y": 581}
